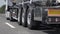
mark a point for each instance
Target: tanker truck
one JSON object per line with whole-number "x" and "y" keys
{"x": 37, "y": 13}
{"x": 41, "y": 13}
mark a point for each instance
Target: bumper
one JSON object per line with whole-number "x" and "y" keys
{"x": 53, "y": 20}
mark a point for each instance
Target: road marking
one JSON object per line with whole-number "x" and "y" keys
{"x": 10, "y": 25}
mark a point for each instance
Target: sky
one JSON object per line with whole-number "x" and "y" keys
{"x": 2, "y": 2}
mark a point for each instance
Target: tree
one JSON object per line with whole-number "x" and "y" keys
{"x": 2, "y": 9}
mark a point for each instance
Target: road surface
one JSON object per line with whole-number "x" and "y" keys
{"x": 7, "y": 27}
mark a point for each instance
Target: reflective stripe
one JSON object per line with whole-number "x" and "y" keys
{"x": 53, "y": 12}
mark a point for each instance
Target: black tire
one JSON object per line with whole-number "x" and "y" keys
{"x": 20, "y": 17}
{"x": 32, "y": 24}
{"x": 30, "y": 20}
{"x": 24, "y": 18}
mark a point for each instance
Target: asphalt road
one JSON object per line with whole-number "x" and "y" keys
{"x": 7, "y": 27}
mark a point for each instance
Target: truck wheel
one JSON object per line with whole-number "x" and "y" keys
{"x": 19, "y": 21}
{"x": 20, "y": 17}
{"x": 24, "y": 19}
{"x": 30, "y": 20}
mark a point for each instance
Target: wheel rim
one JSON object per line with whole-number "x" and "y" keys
{"x": 29, "y": 19}
{"x": 23, "y": 18}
